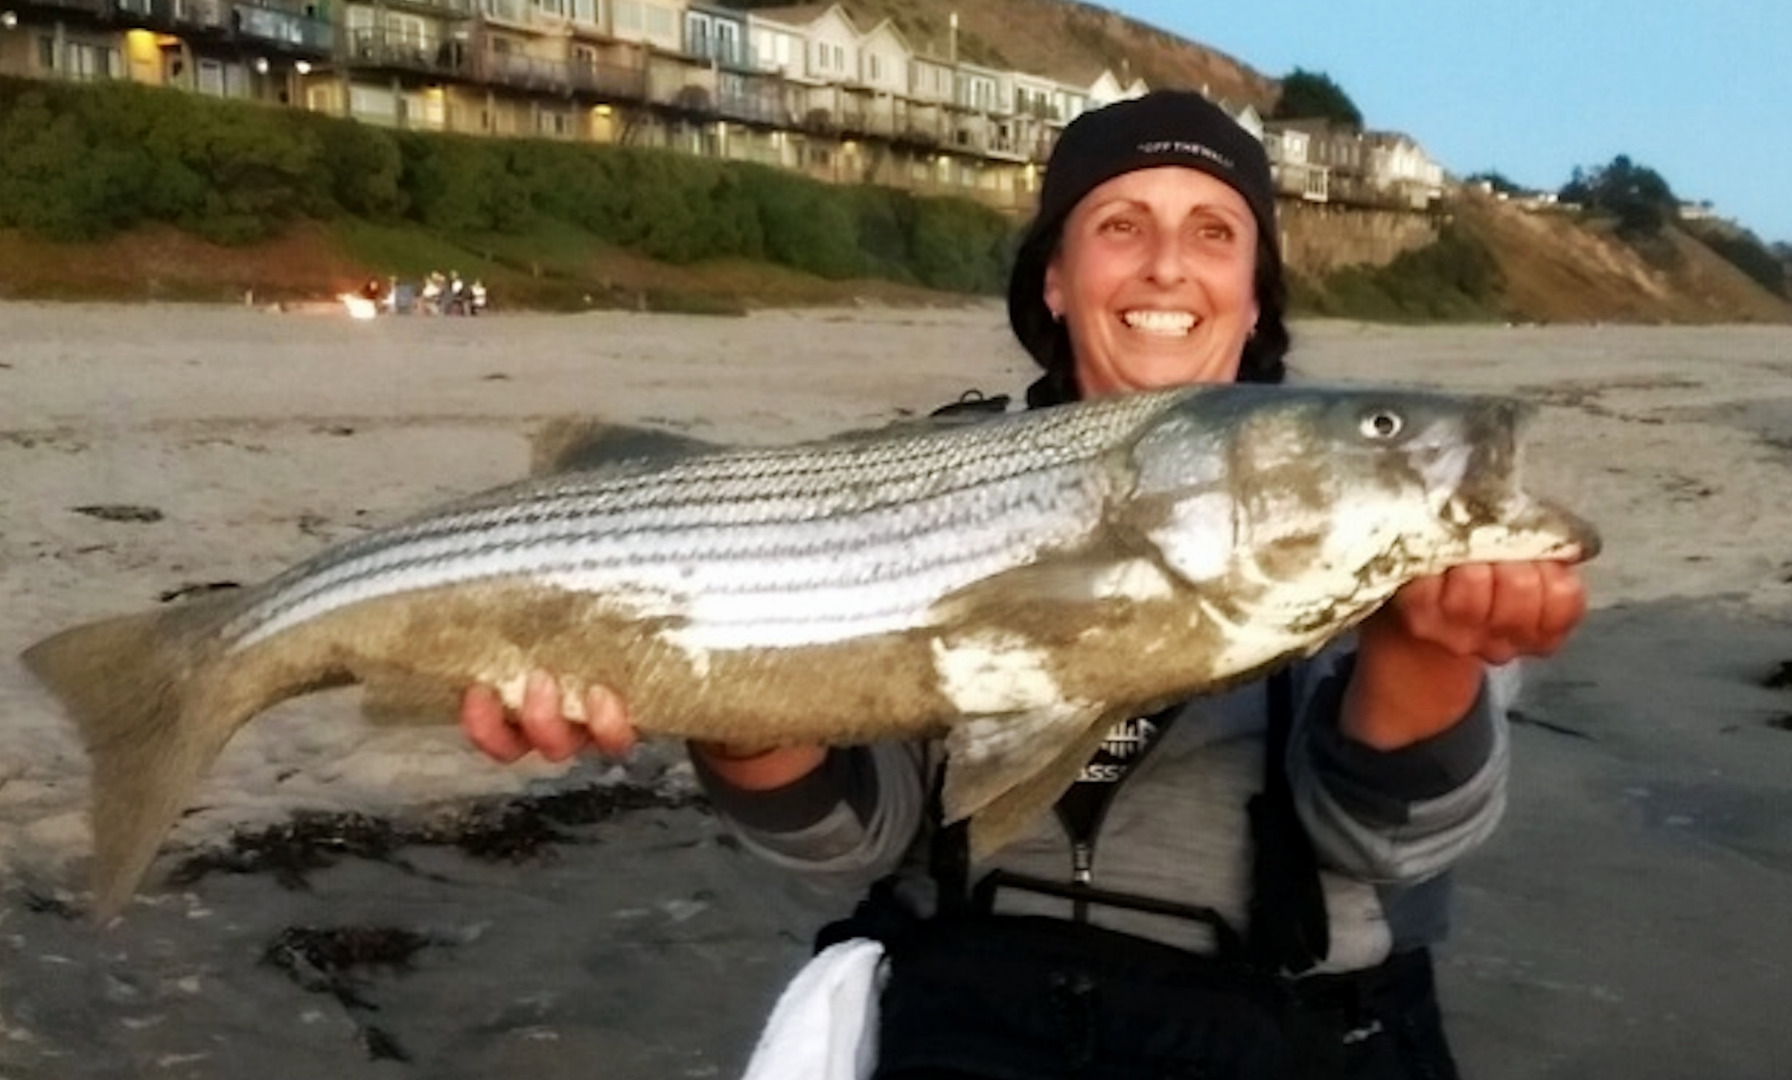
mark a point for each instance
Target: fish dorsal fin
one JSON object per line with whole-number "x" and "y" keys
{"x": 575, "y": 444}
{"x": 1002, "y": 770}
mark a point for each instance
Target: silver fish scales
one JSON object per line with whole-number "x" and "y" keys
{"x": 857, "y": 531}
{"x": 1012, "y": 586}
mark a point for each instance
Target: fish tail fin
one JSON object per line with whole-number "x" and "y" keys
{"x": 130, "y": 686}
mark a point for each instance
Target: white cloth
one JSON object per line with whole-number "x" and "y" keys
{"x": 824, "y": 1026}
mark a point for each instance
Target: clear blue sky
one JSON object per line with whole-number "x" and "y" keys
{"x": 1699, "y": 92}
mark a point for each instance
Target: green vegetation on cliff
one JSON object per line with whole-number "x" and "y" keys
{"x": 83, "y": 163}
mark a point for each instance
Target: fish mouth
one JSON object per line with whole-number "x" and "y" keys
{"x": 1579, "y": 540}
{"x": 1493, "y": 494}
{"x": 1523, "y": 528}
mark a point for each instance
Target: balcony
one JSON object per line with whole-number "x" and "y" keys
{"x": 173, "y": 14}
{"x": 765, "y": 107}
{"x": 520, "y": 71}
{"x": 603, "y": 80}
{"x": 62, "y": 9}
{"x": 288, "y": 30}
{"x": 380, "y": 50}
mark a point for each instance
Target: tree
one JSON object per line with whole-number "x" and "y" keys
{"x": 1635, "y": 195}
{"x": 1497, "y": 182}
{"x": 1309, "y": 95}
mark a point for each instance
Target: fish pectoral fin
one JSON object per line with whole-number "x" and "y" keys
{"x": 1002, "y": 770}
{"x": 1084, "y": 585}
{"x": 396, "y": 696}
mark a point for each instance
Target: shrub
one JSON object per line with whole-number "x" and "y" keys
{"x": 84, "y": 161}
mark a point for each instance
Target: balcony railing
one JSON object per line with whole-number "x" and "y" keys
{"x": 371, "y": 48}
{"x": 754, "y": 108}
{"x": 608, "y": 80}
{"x": 521, "y": 71}
{"x": 93, "y": 8}
{"x": 295, "y": 32}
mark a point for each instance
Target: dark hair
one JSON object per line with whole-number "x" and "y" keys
{"x": 1166, "y": 127}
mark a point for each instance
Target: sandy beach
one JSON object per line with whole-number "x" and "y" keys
{"x": 1630, "y": 918}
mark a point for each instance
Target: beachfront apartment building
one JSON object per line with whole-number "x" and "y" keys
{"x": 804, "y": 87}
{"x": 1322, "y": 161}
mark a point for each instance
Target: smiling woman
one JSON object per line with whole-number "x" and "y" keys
{"x": 1154, "y": 281}
{"x": 1232, "y": 882}
{"x": 1152, "y": 260}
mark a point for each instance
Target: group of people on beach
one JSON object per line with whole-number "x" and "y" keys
{"x": 436, "y": 294}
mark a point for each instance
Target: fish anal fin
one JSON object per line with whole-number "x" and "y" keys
{"x": 1002, "y": 770}
{"x": 1002, "y": 820}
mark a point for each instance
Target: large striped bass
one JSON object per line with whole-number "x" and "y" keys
{"x": 1013, "y": 586}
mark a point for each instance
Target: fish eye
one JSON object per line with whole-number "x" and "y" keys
{"x": 1381, "y": 424}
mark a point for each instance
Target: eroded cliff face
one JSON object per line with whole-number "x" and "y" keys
{"x": 1318, "y": 238}
{"x": 1558, "y": 269}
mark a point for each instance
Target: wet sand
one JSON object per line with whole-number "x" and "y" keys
{"x": 1628, "y": 919}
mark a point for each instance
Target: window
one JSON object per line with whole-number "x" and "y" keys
{"x": 367, "y": 101}
{"x": 79, "y": 60}
{"x": 875, "y": 64}
{"x": 728, "y": 41}
{"x": 211, "y": 78}
{"x": 406, "y": 30}
{"x": 628, "y": 16}
{"x": 426, "y": 110}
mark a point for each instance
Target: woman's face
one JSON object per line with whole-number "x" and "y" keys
{"x": 1154, "y": 279}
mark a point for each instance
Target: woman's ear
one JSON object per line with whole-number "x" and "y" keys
{"x": 1054, "y": 291}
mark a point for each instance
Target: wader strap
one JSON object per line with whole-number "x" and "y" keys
{"x": 1289, "y": 930}
{"x": 949, "y": 858}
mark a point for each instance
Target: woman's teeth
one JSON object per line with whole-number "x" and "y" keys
{"x": 1168, "y": 323}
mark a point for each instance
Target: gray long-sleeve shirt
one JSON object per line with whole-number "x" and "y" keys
{"x": 1386, "y": 826}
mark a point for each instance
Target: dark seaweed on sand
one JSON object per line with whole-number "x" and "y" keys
{"x": 334, "y": 961}
{"x": 512, "y": 829}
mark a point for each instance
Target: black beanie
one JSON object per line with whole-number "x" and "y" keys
{"x": 1165, "y": 127}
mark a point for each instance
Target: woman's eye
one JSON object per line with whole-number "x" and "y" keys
{"x": 1381, "y": 424}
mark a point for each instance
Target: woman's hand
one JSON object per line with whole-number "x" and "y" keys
{"x": 1421, "y": 657}
{"x": 541, "y": 726}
